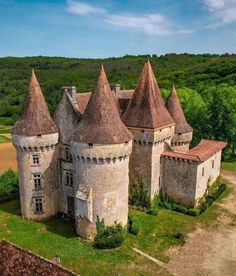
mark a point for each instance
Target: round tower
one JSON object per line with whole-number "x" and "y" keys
{"x": 183, "y": 131}
{"x": 35, "y": 137}
{"x": 101, "y": 147}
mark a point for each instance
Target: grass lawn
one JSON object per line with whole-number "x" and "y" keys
{"x": 4, "y": 139}
{"x": 58, "y": 237}
{"x": 229, "y": 165}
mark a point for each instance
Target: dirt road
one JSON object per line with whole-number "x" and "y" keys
{"x": 210, "y": 253}
{"x": 7, "y": 157}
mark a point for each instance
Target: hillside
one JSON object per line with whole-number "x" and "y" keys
{"x": 206, "y": 84}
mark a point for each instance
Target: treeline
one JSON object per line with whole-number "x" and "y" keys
{"x": 205, "y": 83}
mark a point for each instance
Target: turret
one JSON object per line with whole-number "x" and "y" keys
{"x": 35, "y": 137}
{"x": 152, "y": 126}
{"x": 100, "y": 148}
{"x": 183, "y": 131}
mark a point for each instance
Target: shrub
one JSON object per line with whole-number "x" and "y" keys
{"x": 152, "y": 211}
{"x": 133, "y": 226}
{"x": 139, "y": 195}
{"x": 108, "y": 237}
{"x": 8, "y": 183}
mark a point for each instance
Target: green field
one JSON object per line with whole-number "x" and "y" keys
{"x": 229, "y": 165}
{"x": 58, "y": 237}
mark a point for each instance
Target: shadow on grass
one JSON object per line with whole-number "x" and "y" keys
{"x": 59, "y": 225}
{"x": 62, "y": 226}
{"x": 11, "y": 207}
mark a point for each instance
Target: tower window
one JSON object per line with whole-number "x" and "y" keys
{"x": 35, "y": 159}
{"x": 37, "y": 181}
{"x": 69, "y": 179}
{"x": 203, "y": 171}
{"x": 213, "y": 164}
{"x": 38, "y": 205}
{"x": 68, "y": 154}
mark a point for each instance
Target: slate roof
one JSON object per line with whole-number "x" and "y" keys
{"x": 35, "y": 117}
{"x": 101, "y": 123}
{"x": 146, "y": 108}
{"x": 174, "y": 107}
{"x": 203, "y": 151}
{"x": 17, "y": 261}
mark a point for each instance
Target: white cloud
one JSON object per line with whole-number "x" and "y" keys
{"x": 224, "y": 11}
{"x": 151, "y": 24}
{"x": 154, "y": 24}
{"x": 83, "y": 8}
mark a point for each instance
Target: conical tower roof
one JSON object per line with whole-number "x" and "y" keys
{"x": 35, "y": 118}
{"x": 101, "y": 123}
{"x": 174, "y": 107}
{"x": 147, "y": 108}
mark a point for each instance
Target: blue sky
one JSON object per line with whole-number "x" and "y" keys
{"x": 114, "y": 28}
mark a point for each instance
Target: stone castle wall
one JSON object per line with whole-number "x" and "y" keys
{"x": 178, "y": 180}
{"x": 45, "y": 147}
{"x": 207, "y": 173}
{"x": 181, "y": 142}
{"x": 101, "y": 185}
{"x": 145, "y": 157}
{"x": 186, "y": 181}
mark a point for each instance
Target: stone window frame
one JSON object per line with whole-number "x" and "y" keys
{"x": 69, "y": 178}
{"x": 38, "y": 205}
{"x": 36, "y": 159}
{"x": 37, "y": 179}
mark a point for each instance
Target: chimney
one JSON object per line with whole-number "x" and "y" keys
{"x": 71, "y": 90}
{"x": 115, "y": 87}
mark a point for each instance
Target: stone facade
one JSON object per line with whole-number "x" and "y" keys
{"x": 105, "y": 141}
{"x": 145, "y": 158}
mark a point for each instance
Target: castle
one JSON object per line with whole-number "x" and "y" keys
{"x": 82, "y": 162}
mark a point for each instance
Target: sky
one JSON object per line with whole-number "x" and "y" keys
{"x": 109, "y": 28}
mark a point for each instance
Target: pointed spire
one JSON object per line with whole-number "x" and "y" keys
{"x": 35, "y": 118}
{"x": 101, "y": 123}
{"x": 174, "y": 107}
{"x": 147, "y": 108}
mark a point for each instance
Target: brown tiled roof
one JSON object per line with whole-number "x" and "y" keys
{"x": 35, "y": 118}
{"x": 204, "y": 150}
{"x": 101, "y": 123}
{"x": 146, "y": 108}
{"x": 174, "y": 107}
{"x": 17, "y": 261}
{"x": 82, "y": 101}
{"x": 123, "y": 96}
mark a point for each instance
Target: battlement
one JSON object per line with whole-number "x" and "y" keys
{"x": 38, "y": 143}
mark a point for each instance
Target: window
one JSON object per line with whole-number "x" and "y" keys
{"x": 35, "y": 159}
{"x": 213, "y": 164}
{"x": 202, "y": 171}
{"x": 37, "y": 181}
{"x": 67, "y": 154}
{"x": 38, "y": 205}
{"x": 90, "y": 145}
{"x": 70, "y": 206}
{"x": 69, "y": 178}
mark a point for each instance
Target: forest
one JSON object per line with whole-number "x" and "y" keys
{"x": 206, "y": 85}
